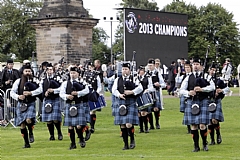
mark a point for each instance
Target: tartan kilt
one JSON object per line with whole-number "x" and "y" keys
{"x": 55, "y": 115}
{"x": 22, "y": 116}
{"x": 157, "y": 103}
{"x": 202, "y": 118}
{"x": 218, "y": 114}
{"x": 62, "y": 104}
{"x": 80, "y": 119}
{"x": 183, "y": 103}
{"x": 114, "y": 105}
{"x": 132, "y": 115}
{"x": 87, "y": 112}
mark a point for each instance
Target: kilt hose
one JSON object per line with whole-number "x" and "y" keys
{"x": 80, "y": 119}
{"x": 22, "y": 116}
{"x": 132, "y": 115}
{"x": 201, "y": 118}
{"x": 55, "y": 115}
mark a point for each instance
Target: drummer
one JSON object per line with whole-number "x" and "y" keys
{"x": 146, "y": 82}
{"x": 158, "y": 83}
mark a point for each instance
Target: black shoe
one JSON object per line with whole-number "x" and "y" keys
{"x": 196, "y": 149}
{"x": 72, "y": 146}
{"x": 27, "y": 146}
{"x": 52, "y": 138}
{"x": 205, "y": 148}
{"x": 60, "y": 137}
{"x": 88, "y": 135}
{"x": 82, "y": 143}
{"x": 132, "y": 144}
{"x": 212, "y": 143}
{"x": 157, "y": 126}
{"x": 125, "y": 148}
{"x": 141, "y": 131}
{"x": 219, "y": 139}
{"x": 92, "y": 130}
{"x": 146, "y": 131}
{"x": 151, "y": 128}
{"x": 31, "y": 138}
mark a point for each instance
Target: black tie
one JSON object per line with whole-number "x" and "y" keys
{"x": 197, "y": 76}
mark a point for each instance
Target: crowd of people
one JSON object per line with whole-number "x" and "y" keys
{"x": 69, "y": 91}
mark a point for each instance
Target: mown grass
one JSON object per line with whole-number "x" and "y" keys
{"x": 170, "y": 142}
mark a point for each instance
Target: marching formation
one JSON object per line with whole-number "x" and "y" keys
{"x": 77, "y": 94}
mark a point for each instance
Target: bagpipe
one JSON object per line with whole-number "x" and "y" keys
{"x": 28, "y": 86}
{"x": 73, "y": 110}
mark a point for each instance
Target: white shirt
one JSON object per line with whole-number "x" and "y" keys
{"x": 183, "y": 89}
{"x": 136, "y": 91}
{"x": 161, "y": 81}
{"x": 63, "y": 88}
{"x": 14, "y": 91}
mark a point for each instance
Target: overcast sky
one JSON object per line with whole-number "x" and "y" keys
{"x": 105, "y": 8}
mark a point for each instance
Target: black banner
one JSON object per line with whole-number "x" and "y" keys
{"x": 153, "y": 34}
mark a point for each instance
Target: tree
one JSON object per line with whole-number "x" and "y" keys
{"x": 100, "y": 50}
{"x": 209, "y": 25}
{"x": 138, "y": 4}
{"x": 16, "y": 35}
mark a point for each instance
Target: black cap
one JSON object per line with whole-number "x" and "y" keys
{"x": 213, "y": 65}
{"x": 151, "y": 61}
{"x": 9, "y": 61}
{"x": 90, "y": 64}
{"x": 74, "y": 69}
{"x": 49, "y": 65}
{"x": 187, "y": 62}
{"x": 196, "y": 60}
{"x": 141, "y": 67}
{"x": 126, "y": 65}
{"x": 44, "y": 63}
{"x": 26, "y": 67}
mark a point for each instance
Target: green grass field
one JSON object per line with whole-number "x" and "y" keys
{"x": 170, "y": 142}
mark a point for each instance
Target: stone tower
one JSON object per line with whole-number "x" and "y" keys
{"x": 63, "y": 29}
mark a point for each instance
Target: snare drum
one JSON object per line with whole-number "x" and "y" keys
{"x": 144, "y": 101}
{"x": 154, "y": 96}
{"x": 101, "y": 103}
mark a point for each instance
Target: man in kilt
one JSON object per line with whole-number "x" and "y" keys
{"x": 73, "y": 92}
{"x": 51, "y": 109}
{"x": 23, "y": 91}
{"x": 146, "y": 82}
{"x": 158, "y": 82}
{"x": 197, "y": 91}
{"x": 216, "y": 115}
{"x": 94, "y": 81}
{"x": 126, "y": 89}
{"x": 178, "y": 79}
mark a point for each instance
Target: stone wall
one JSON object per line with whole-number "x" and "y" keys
{"x": 62, "y": 29}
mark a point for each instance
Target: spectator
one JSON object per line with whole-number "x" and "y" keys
{"x": 171, "y": 77}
